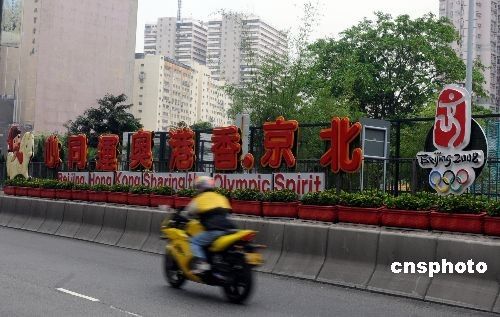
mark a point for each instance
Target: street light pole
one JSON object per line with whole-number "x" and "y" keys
{"x": 470, "y": 49}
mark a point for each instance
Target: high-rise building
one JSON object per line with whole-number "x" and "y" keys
{"x": 486, "y": 32}
{"x": 236, "y": 44}
{"x": 72, "y": 53}
{"x": 185, "y": 40}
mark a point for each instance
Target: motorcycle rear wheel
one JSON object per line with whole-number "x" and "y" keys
{"x": 241, "y": 287}
{"x": 173, "y": 274}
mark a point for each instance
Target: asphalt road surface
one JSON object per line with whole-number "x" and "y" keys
{"x": 43, "y": 275}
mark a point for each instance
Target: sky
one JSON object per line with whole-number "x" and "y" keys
{"x": 335, "y": 15}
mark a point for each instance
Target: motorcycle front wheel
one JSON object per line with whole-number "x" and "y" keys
{"x": 173, "y": 274}
{"x": 241, "y": 286}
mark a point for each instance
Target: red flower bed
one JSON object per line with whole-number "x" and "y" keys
{"x": 280, "y": 209}
{"x": 181, "y": 202}
{"x": 34, "y": 192}
{"x": 138, "y": 200}
{"x": 491, "y": 226}
{"x": 98, "y": 196}
{"x": 63, "y": 194}
{"x": 21, "y": 191}
{"x": 118, "y": 198}
{"x": 9, "y": 190}
{"x": 246, "y": 207}
{"x": 77, "y": 194}
{"x": 361, "y": 215}
{"x": 469, "y": 223}
{"x": 157, "y": 200}
{"x": 405, "y": 218}
{"x": 48, "y": 193}
{"x": 318, "y": 213}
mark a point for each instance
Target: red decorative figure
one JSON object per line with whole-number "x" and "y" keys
{"x": 77, "y": 151}
{"x": 340, "y": 135}
{"x": 279, "y": 139}
{"x": 106, "y": 153}
{"x": 141, "y": 150}
{"x": 52, "y": 156}
{"x": 453, "y": 119}
{"x": 226, "y": 147}
{"x": 182, "y": 149}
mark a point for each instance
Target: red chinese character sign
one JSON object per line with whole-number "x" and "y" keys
{"x": 279, "y": 140}
{"x": 77, "y": 151}
{"x": 341, "y": 134}
{"x": 51, "y": 155}
{"x": 107, "y": 153}
{"x": 456, "y": 146}
{"x": 226, "y": 148}
{"x": 182, "y": 149}
{"x": 141, "y": 150}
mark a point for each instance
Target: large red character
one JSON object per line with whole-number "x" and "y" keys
{"x": 279, "y": 139}
{"x": 106, "y": 153}
{"x": 226, "y": 147}
{"x": 182, "y": 149}
{"x": 52, "y": 156}
{"x": 453, "y": 119}
{"x": 141, "y": 150}
{"x": 77, "y": 151}
{"x": 340, "y": 135}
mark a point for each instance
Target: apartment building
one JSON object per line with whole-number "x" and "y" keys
{"x": 485, "y": 41}
{"x": 150, "y": 39}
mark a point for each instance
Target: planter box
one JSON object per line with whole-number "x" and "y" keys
{"x": 118, "y": 198}
{"x": 469, "y": 223}
{"x": 77, "y": 194}
{"x": 491, "y": 226}
{"x": 63, "y": 194}
{"x": 280, "y": 209}
{"x": 318, "y": 213}
{"x": 181, "y": 202}
{"x": 9, "y": 190}
{"x": 21, "y": 191}
{"x": 246, "y": 207}
{"x": 138, "y": 200}
{"x": 48, "y": 193}
{"x": 405, "y": 218}
{"x": 34, "y": 192}
{"x": 361, "y": 215}
{"x": 157, "y": 200}
{"x": 98, "y": 196}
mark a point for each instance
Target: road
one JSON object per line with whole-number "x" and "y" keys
{"x": 43, "y": 275}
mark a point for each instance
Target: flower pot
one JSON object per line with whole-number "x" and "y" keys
{"x": 280, "y": 209}
{"x": 157, "y": 200}
{"x": 491, "y": 226}
{"x": 318, "y": 213}
{"x": 181, "y": 202}
{"x": 48, "y": 193}
{"x": 246, "y": 207}
{"x": 34, "y": 192}
{"x": 361, "y": 215}
{"x": 22, "y": 191}
{"x": 98, "y": 196}
{"x": 9, "y": 190}
{"x": 138, "y": 199}
{"x": 77, "y": 194}
{"x": 405, "y": 218}
{"x": 118, "y": 198}
{"x": 63, "y": 194}
{"x": 469, "y": 223}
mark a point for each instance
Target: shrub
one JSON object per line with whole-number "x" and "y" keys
{"x": 65, "y": 185}
{"x": 419, "y": 201}
{"x": 100, "y": 188}
{"x": 325, "y": 198}
{"x": 494, "y": 208}
{"x": 120, "y": 188}
{"x": 82, "y": 187}
{"x": 246, "y": 194}
{"x": 461, "y": 204}
{"x": 364, "y": 199}
{"x": 224, "y": 192}
{"x": 33, "y": 183}
{"x": 163, "y": 190}
{"x": 49, "y": 183}
{"x": 187, "y": 192}
{"x": 140, "y": 190}
{"x": 283, "y": 195}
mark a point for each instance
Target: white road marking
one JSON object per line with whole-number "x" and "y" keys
{"x": 78, "y": 295}
{"x": 124, "y": 311}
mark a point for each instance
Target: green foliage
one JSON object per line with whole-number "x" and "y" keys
{"x": 100, "y": 188}
{"x": 82, "y": 187}
{"x": 49, "y": 183}
{"x": 141, "y": 190}
{"x": 464, "y": 204}
{"x": 366, "y": 199}
{"x": 494, "y": 208}
{"x": 111, "y": 116}
{"x": 246, "y": 194}
{"x": 202, "y": 125}
{"x": 420, "y": 201}
{"x": 283, "y": 195}
{"x": 163, "y": 190}
{"x": 120, "y": 188}
{"x": 65, "y": 185}
{"x": 325, "y": 198}
{"x": 187, "y": 192}
{"x": 224, "y": 192}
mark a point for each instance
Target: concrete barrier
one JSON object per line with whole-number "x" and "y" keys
{"x": 400, "y": 246}
{"x": 113, "y": 225}
{"x": 270, "y": 234}
{"x": 53, "y": 218}
{"x": 72, "y": 220}
{"x": 37, "y": 215}
{"x": 476, "y": 290}
{"x": 154, "y": 243}
{"x": 304, "y": 250}
{"x": 21, "y": 213}
{"x": 93, "y": 216}
{"x": 351, "y": 255}
{"x": 8, "y": 207}
{"x": 136, "y": 229}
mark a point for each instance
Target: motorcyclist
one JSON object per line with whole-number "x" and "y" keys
{"x": 212, "y": 209}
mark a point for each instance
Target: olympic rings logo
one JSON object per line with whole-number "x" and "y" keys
{"x": 449, "y": 180}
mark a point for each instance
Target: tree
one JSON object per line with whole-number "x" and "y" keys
{"x": 202, "y": 125}
{"x": 110, "y": 116}
{"x": 390, "y": 67}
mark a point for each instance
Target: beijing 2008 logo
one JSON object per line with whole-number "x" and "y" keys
{"x": 455, "y": 161}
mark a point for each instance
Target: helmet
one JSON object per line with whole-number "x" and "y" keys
{"x": 202, "y": 183}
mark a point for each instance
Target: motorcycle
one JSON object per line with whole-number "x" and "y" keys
{"x": 231, "y": 257}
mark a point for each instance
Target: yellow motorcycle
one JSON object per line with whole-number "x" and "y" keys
{"x": 231, "y": 258}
